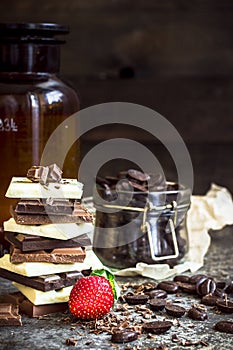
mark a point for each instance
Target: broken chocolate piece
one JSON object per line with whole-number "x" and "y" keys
{"x": 32, "y": 310}
{"x": 38, "y": 174}
{"x": 79, "y": 215}
{"x": 28, "y": 308}
{"x": 55, "y": 173}
{"x": 49, "y": 206}
{"x": 44, "y": 174}
{"x": 9, "y": 315}
{"x": 57, "y": 255}
{"x": 29, "y": 242}
{"x": 44, "y": 283}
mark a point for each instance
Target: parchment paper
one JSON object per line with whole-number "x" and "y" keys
{"x": 211, "y": 211}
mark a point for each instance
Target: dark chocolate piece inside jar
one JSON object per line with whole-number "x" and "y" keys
{"x": 139, "y": 222}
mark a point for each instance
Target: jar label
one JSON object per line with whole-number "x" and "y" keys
{"x": 8, "y": 124}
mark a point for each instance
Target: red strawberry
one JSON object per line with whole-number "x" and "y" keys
{"x": 91, "y": 297}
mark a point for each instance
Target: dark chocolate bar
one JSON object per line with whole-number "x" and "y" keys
{"x": 28, "y": 308}
{"x": 57, "y": 255}
{"x": 79, "y": 215}
{"x": 28, "y": 243}
{"x": 32, "y": 310}
{"x": 48, "y": 206}
{"x": 9, "y": 315}
{"x": 44, "y": 283}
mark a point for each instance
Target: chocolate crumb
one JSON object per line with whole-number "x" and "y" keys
{"x": 71, "y": 341}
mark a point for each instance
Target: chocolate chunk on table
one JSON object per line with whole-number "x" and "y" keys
{"x": 123, "y": 336}
{"x": 181, "y": 278}
{"x": 196, "y": 278}
{"x": 229, "y": 288}
{"x": 209, "y": 300}
{"x": 187, "y": 287}
{"x": 157, "y": 304}
{"x": 57, "y": 255}
{"x": 44, "y": 283}
{"x": 175, "y": 310}
{"x": 157, "y": 327}
{"x": 157, "y": 293}
{"x": 168, "y": 286}
{"x": 29, "y": 242}
{"x": 205, "y": 286}
{"x": 9, "y": 315}
{"x": 225, "y": 306}
{"x": 198, "y": 312}
{"x": 224, "y": 326}
{"x": 136, "y": 299}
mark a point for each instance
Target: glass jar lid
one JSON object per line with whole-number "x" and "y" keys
{"x": 32, "y": 32}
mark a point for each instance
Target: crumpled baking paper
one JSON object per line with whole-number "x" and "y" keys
{"x": 211, "y": 211}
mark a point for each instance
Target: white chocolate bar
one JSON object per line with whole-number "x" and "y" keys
{"x": 22, "y": 187}
{"x": 37, "y": 297}
{"x": 32, "y": 269}
{"x": 57, "y": 231}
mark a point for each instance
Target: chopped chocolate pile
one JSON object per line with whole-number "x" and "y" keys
{"x": 135, "y": 322}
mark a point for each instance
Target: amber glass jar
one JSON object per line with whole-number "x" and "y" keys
{"x": 33, "y": 100}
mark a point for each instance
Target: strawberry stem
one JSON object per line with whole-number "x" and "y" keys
{"x": 111, "y": 279}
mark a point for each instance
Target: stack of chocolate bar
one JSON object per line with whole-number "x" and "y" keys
{"x": 48, "y": 235}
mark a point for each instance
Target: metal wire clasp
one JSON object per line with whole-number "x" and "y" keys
{"x": 145, "y": 227}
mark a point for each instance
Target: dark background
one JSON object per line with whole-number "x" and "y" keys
{"x": 174, "y": 56}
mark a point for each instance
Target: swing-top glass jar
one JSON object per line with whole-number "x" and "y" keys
{"x": 141, "y": 226}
